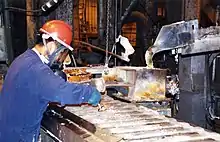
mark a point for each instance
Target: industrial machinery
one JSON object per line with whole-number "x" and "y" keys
{"x": 142, "y": 84}
{"x": 196, "y": 50}
{"x": 124, "y": 118}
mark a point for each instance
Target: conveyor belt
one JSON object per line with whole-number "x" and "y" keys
{"x": 130, "y": 123}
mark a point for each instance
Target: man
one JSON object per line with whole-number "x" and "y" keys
{"x": 30, "y": 85}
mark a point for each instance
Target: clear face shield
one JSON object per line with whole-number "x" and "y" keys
{"x": 56, "y": 53}
{"x": 57, "y": 58}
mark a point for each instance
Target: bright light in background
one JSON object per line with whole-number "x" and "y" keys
{"x": 48, "y": 5}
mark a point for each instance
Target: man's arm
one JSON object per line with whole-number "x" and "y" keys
{"x": 54, "y": 89}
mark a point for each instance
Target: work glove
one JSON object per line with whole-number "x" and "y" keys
{"x": 95, "y": 98}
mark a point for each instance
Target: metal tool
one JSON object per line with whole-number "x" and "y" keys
{"x": 99, "y": 84}
{"x": 101, "y": 107}
{"x": 100, "y": 49}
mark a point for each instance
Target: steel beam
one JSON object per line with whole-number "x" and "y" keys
{"x": 8, "y": 36}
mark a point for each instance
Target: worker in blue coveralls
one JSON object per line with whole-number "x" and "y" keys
{"x": 30, "y": 85}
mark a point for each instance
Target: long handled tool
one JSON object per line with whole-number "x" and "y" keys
{"x": 100, "y": 49}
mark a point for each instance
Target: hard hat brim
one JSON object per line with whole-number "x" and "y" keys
{"x": 57, "y": 39}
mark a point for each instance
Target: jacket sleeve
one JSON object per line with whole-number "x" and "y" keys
{"x": 54, "y": 89}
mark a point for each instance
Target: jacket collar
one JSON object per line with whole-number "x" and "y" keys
{"x": 42, "y": 58}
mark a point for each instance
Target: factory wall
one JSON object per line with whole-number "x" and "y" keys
{"x": 66, "y": 12}
{"x": 18, "y": 27}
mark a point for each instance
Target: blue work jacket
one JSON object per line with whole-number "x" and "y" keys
{"x": 28, "y": 88}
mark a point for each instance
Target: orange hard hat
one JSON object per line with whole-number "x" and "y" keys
{"x": 59, "y": 31}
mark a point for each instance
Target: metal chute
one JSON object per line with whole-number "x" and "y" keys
{"x": 175, "y": 35}
{"x": 189, "y": 37}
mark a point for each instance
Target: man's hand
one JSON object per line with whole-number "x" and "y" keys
{"x": 95, "y": 98}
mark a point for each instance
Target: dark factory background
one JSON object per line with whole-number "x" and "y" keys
{"x": 138, "y": 20}
{"x": 88, "y": 19}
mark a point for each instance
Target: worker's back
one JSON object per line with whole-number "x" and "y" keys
{"x": 21, "y": 106}
{"x": 28, "y": 87}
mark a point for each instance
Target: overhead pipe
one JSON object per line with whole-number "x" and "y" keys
{"x": 121, "y": 6}
{"x": 99, "y": 48}
{"x": 127, "y": 12}
{"x": 141, "y": 21}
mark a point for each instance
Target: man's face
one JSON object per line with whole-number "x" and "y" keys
{"x": 51, "y": 47}
{"x": 61, "y": 57}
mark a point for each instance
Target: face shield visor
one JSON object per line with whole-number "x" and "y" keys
{"x": 58, "y": 56}
{"x": 55, "y": 51}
